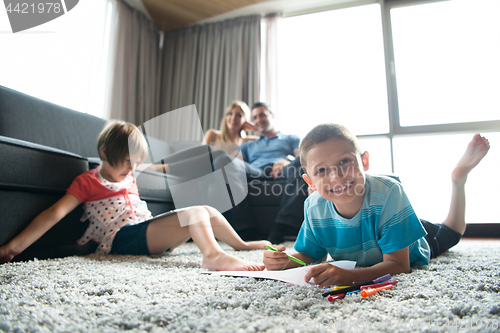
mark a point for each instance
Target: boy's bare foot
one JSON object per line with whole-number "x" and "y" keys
{"x": 254, "y": 245}
{"x": 225, "y": 262}
{"x": 474, "y": 153}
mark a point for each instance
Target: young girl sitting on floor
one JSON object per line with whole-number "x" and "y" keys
{"x": 120, "y": 221}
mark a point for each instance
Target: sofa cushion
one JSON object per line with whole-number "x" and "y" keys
{"x": 31, "y": 119}
{"x": 158, "y": 149}
{"x": 34, "y": 177}
{"x": 33, "y": 167}
{"x": 153, "y": 185}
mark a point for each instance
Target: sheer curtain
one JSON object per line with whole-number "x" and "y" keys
{"x": 63, "y": 61}
{"x": 211, "y": 65}
{"x": 270, "y": 59}
{"x": 134, "y": 56}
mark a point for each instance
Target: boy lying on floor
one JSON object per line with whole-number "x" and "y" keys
{"x": 364, "y": 218}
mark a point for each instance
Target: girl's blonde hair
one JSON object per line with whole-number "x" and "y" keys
{"x": 120, "y": 139}
{"x": 224, "y": 131}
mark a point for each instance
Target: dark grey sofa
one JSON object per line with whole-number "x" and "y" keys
{"x": 43, "y": 147}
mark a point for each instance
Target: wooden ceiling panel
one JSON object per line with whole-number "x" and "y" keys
{"x": 173, "y": 14}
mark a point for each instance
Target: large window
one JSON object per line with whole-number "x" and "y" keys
{"x": 447, "y": 57}
{"x": 414, "y": 81}
{"x": 63, "y": 61}
{"x": 331, "y": 66}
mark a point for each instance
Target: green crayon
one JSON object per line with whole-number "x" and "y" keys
{"x": 289, "y": 257}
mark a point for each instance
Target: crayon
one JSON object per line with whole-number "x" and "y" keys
{"x": 369, "y": 292}
{"x": 340, "y": 287}
{"x": 358, "y": 286}
{"x": 289, "y": 257}
{"x": 332, "y": 298}
{"x": 393, "y": 282}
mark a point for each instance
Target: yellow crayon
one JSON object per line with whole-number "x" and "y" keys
{"x": 340, "y": 287}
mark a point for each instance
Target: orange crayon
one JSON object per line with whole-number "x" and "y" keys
{"x": 369, "y": 292}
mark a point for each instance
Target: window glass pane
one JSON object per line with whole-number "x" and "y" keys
{"x": 424, "y": 164}
{"x": 62, "y": 61}
{"x": 380, "y": 155}
{"x": 331, "y": 69}
{"x": 447, "y": 57}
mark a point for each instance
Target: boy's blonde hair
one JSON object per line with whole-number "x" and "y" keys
{"x": 322, "y": 133}
{"x": 119, "y": 140}
{"x": 224, "y": 131}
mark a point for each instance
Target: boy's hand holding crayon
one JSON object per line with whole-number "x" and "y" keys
{"x": 326, "y": 275}
{"x": 276, "y": 260}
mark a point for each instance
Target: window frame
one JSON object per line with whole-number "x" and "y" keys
{"x": 478, "y": 230}
{"x": 395, "y": 128}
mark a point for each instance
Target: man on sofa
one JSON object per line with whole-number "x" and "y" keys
{"x": 275, "y": 156}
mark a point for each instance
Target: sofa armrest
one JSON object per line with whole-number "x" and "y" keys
{"x": 32, "y": 178}
{"x": 30, "y": 165}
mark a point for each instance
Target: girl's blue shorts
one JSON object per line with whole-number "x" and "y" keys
{"x": 131, "y": 239}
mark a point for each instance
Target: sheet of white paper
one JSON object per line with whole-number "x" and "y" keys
{"x": 293, "y": 275}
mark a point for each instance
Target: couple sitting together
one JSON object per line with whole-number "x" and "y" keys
{"x": 272, "y": 155}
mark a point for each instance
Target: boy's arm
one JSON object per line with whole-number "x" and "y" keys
{"x": 39, "y": 226}
{"x": 326, "y": 275}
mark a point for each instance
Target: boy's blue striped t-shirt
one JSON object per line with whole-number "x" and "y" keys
{"x": 385, "y": 223}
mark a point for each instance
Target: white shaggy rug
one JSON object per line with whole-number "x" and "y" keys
{"x": 457, "y": 292}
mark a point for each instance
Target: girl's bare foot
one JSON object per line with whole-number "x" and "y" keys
{"x": 254, "y": 245}
{"x": 225, "y": 262}
{"x": 474, "y": 153}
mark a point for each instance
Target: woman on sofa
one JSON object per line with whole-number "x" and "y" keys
{"x": 233, "y": 127}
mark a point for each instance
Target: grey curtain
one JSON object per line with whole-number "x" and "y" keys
{"x": 211, "y": 65}
{"x": 135, "y": 55}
